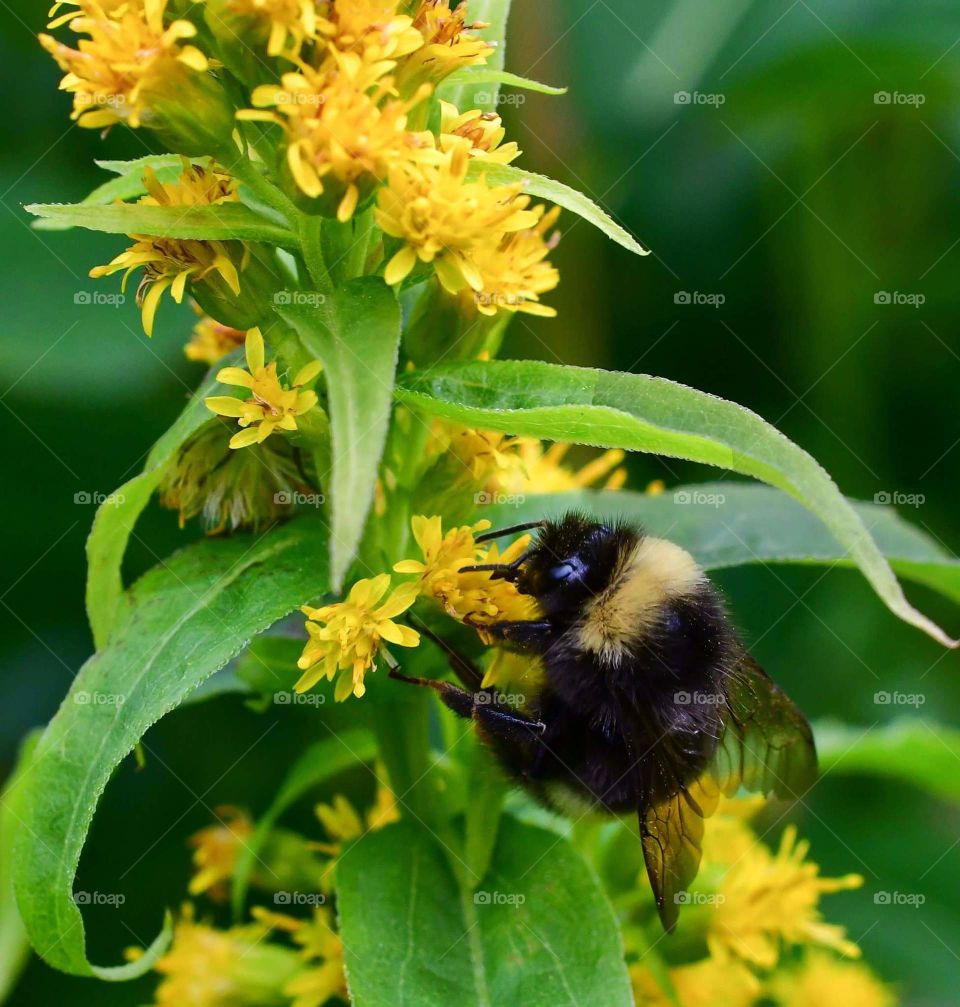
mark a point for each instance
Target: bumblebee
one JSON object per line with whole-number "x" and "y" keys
{"x": 651, "y": 705}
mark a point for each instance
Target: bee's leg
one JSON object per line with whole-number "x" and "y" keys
{"x": 500, "y": 721}
{"x": 468, "y": 673}
{"x": 533, "y": 636}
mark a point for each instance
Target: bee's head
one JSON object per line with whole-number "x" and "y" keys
{"x": 571, "y": 561}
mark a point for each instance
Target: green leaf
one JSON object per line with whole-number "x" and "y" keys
{"x": 320, "y": 762}
{"x": 185, "y": 620}
{"x": 222, "y": 222}
{"x": 128, "y": 185}
{"x": 134, "y": 168}
{"x": 737, "y": 524}
{"x": 117, "y": 515}
{"x": 909, "y": 749}
{"x": 475, "y": 94}
{"x": 642, "y": 413}
{"x": 485, "y": 75}
{"x": 487, "y": 789}
{"x": 14, "y": 946}
{"x": 562, "y": 195}
{"x": 538, "y": 932}
{"x": 355, "y": 333}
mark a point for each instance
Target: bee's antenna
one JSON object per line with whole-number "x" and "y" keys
{"x": 501, "y": 571}
{"x": 490, "y": 535}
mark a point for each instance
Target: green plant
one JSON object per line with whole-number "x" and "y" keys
{"x": 371, "y": 290}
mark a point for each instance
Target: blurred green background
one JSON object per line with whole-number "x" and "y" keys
{"x": 793, "y": 167}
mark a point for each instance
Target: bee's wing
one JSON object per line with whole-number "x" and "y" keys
{"x": 765, "y": 744}
{"x": 671, "y": 832}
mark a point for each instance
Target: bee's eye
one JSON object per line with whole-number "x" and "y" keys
{"x": 569, "y": 570}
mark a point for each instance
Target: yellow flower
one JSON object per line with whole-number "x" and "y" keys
{"x": 129, "y": 57}
{"x": 341, "y": 821}
{"x": 320, "y": 945}
{"x": 205, "y": 967}
{"x": 342, "y": 126}
{"x": 216, "y": 848}
{"x": 343, "y": 824}
{"x": 168, "y": 263}
{"x": 448, "y": 44}
{"x": 514, "y": 271}
{"x": 371, "y": 28}
{"x": 483, "y": 453}
{"x": 510, "y": 671}
{"x": 483, "y": 131}
{"x": 823, "y": 979}
{"x": 212, "y": 341}
{"x": 288, "y": 23}
{"x": 770, "y": 899}
{"x": 270, "y": 406}
{"x": 706, "y": 983}
{"x": 472, "y": 597}
{"x": 443, "y": 219}
{"x": 347, "y": 636}
{"x": 535, "y": 469}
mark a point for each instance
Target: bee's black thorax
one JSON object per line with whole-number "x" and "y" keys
{"x": 640, "y": 635}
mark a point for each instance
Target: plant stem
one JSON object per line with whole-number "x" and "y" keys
{"x": 246, "y": 171}
{"x": 311, "y": 245}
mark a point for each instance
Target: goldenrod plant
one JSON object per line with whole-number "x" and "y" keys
{"x": 336, "y": 194}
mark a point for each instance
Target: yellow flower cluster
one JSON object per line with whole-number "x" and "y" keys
{"x": 345, "y": 108}
{"x": 485, "y": 241}
{"x": 207, "y": 967}
{"x": 130, "y": 54}
{"x": 169, "y": 263}
{"x": 270, "y": 406}
{"x": 216, "y": 849}
{"x": 211, "y": 341}
{"x": 350, "y": 93}
{"x": 761, "y": 924}
{"x": 346, "y": 637}
{"x": 475, "y": 598}
{"x": 500, "y": 464}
